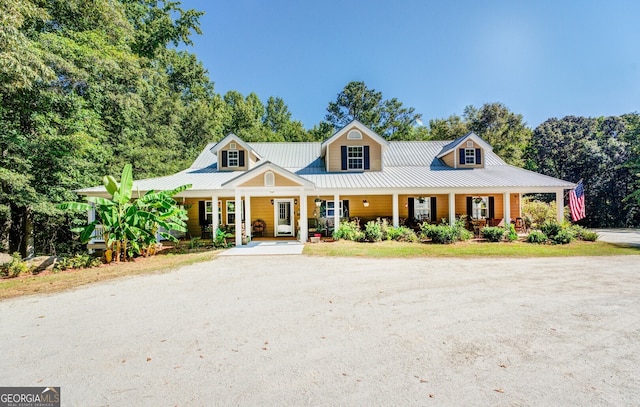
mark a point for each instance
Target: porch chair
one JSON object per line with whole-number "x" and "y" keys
{"x": 519, "y": 226}
{"x": 258, "y": 227}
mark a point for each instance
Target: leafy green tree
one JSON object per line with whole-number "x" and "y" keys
{"x": 447, "y": 129}
{"x": 386, "y": 117}
{"x": 504, "y": 130}
{"x": 131, "y": 226}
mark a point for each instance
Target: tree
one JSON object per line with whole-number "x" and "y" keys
{"x": 504, "y": 130}
{"x": 131, "y": 227}
{"x": 447, "y": 129}
{"x": 386, "y": 117}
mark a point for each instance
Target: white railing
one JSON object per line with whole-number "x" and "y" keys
{"x": 98, "y": 234}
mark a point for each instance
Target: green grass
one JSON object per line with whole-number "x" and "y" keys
{"x": 466, "y": 249}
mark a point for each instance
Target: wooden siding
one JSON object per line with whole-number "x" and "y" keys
{"x": 449, "y": 159}
{"x": 335, "y": 157}
{"x": 280, "y": 181}
{"x": 261, "y": 208}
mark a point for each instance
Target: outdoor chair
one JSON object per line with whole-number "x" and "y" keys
{"x": 258, "y": 227}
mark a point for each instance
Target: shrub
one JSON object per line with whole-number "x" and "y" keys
{"x": 220, "y": 239}
{"x": 78, "y": 261}
{"x": 538, "y": 212}
{"x": 15, "y": 267}
{"x": 564, "y": 236}
{"x": 401, "y": 234}
{"x": 373, "y": 231}
{"x": 349, "y": 231}
{"x": 589, "y": 236}
{"x": 512, "y": 235}
{"x": 537, "y": 236}
{"x": 551, "y": 229}
{"x": 493, "y": 233}
{"x": 441, "y": 234}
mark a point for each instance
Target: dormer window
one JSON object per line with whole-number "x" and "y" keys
{"x": 355, "y": 158}
{"x": 232, "y": 146}
{"x": 470, "y": 156}
{"x": 233, "y": 160}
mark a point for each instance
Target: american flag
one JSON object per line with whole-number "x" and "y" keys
{"x": 576, "y": 202}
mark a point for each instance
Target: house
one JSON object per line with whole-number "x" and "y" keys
{"x": 292, "y": 188}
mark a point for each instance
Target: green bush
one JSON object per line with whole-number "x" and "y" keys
{"x": 349, "y": 231}
{"x": 512, "y": 235}
{"x": 551, "y": 229}
{"x": 401, "y": 234}
{"x": 220, "y": 239}
{"x": 78, "y": 261}
{"x": 373, "y": 231}
{"x": 15, "y": 267}
{"x": 493, "y": 233}
{"x": 564, "y": 236}
{"x": 589, "y": 236}
{"x": 537, "y": 236}
{"x": 441, "y": 234}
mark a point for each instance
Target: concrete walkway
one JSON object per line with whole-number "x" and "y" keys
{"x": 629, "y": 237}
{"x": 268, "y": 247}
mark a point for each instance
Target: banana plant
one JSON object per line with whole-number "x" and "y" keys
{"x": 130, "y": 226}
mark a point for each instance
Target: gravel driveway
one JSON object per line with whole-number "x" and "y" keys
{"x": 338, "y": 331}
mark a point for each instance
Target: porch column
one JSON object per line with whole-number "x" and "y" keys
{"x": 247, "y": 216}
{"x": 214, "y": 219}
{"x": 304, "y": 227}
{"x": 452, "y": 208}
{"x": 238, "y": 220}
{"x": 91, "y": 216}
{"x": 396, "y": 213}
{"x": 336, "y": 211}
{"x": 507, "y": 207}
{"x": 560, "y": 205}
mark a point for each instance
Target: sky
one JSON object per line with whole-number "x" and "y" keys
{"x": 541, "y": 59}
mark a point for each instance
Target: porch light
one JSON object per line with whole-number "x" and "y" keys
{"x": 365, "y": 203}
{"x": 272, "y": 202}
{"x": 318, "y": 202}
{"x": 295, "y": 201}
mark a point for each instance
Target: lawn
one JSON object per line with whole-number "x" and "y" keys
{"x": 466, "y": 249}
{"x": 49, "y": 282}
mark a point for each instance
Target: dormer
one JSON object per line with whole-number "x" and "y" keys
{"x": 234, "y": 154}
{"x": 354, "y": 148}
{"x": 468, "y": 151}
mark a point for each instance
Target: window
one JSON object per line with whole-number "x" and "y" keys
{"x": 355, "y": 158}
{"x": 233, "y": 160}
{"x": 231, "y": 212}
{"x": 269, "y": 179}
{"x": 480, "y": 207}
{"x": 208, "y": 211}
{"x": 354, "y": 135}
{"x": 469, "y": 155}
{"x": 422, "y": 208}
{"x": 343, "y": 209}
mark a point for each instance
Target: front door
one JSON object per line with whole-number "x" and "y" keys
{"x": 283, "y": 217}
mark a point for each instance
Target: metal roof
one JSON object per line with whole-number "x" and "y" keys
{"x": 406, "y": 164}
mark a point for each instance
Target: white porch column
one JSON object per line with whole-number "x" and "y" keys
{"x": 238, "y": 220}
{"x": 507, "y": 208}
{"x": 452, "y": 208}
{"x": 91, "y": 216}
{"x": 214, "y": 218}
{"x": 560, "y": 205}
{"x": 396, "y": 212}
{"x": 336, "y": 212}
{"x": 247, "y": 216}
{"x": 304, "y": 227}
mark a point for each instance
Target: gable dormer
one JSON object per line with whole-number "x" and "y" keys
{"x": 234, "y": 154}
{"x": 354, "y": 148}
{"x": 468, "y": 151}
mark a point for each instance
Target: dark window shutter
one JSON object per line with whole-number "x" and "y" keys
{"x": 462, "y": 160}
{"x": 478, "y": 156}
{"x": 412, "y": 213}
{"x": 201, "y": 216}
{"x": 343, "y": 150}
{"x": 367, "y": 165}
{"x": 433, "y": 209}
{"x": 492, "y": 207}
{"x": 469, "y": 207}
{"x": 224, "y": 159}
{"x": 241, "y": 158}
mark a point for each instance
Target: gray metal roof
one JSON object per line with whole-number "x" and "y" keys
{"x": 406, "y": 164}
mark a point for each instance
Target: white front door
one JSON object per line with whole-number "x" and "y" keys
{"x": 283, "y": 217}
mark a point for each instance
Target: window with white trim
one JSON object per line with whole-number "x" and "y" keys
{"x": 232, "y": 158}
{"x": 422, "y": 208}
{"x": 208, "y": 211}
{"x": 480, "y": 207}
{"x": 231, "y": 212}
{"x": 469, "y": 155}
{"x": 355, "y": 158}
{"x": 354, "y": 135}
{"x": 343, "y": 208}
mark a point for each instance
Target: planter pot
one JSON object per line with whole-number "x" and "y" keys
{"x": 314, "y": 239}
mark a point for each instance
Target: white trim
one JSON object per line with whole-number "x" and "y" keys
{"x": 276, "y": 218}
{"x": 507, "y": 208}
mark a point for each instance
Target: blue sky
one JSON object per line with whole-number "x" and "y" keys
{"x": 541, "y": 59}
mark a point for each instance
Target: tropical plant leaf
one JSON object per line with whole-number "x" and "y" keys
{"x": 110, "y": 184}
{"x": 74, "y": 206}
{"x": 126, "y": 184}
{"x": 86, "y": 234}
